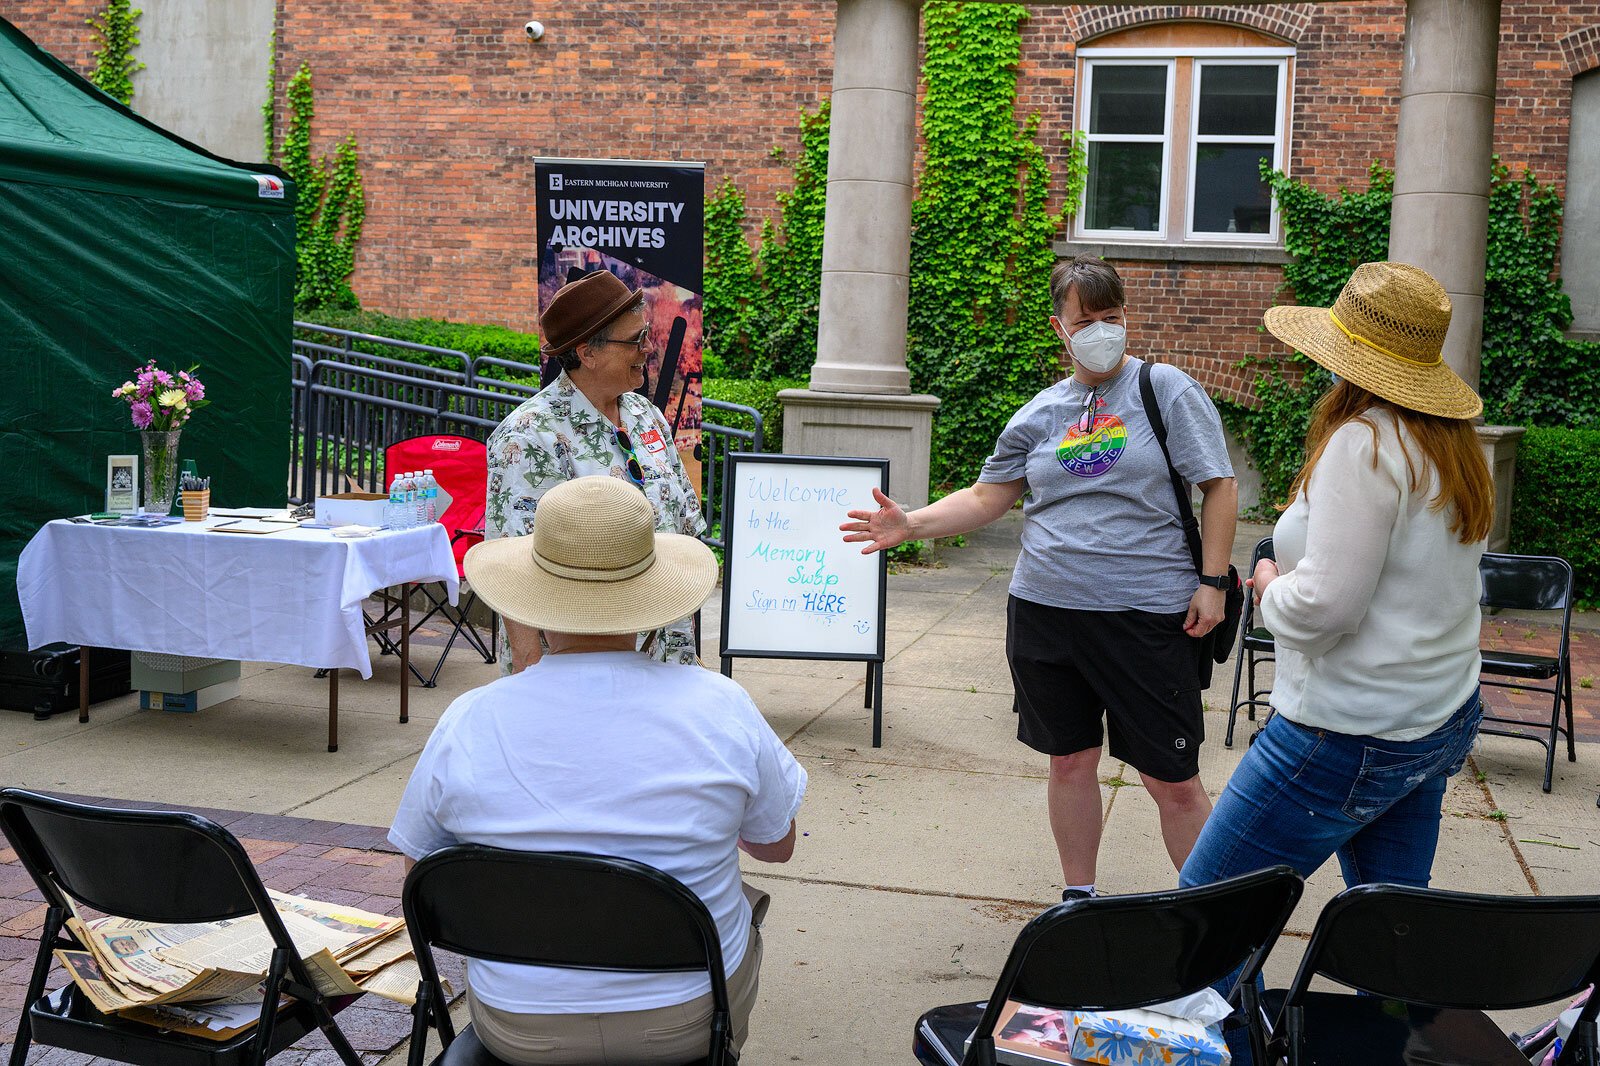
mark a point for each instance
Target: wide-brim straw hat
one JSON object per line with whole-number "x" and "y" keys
{"x": 1385, "y": 333}
{"x": 594, "y": 564}
{"x": 582, "y": 308}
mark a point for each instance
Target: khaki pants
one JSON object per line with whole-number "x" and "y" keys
{"x": 663, "y": 1036}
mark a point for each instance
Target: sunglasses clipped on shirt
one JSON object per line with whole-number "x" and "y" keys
{"x": 635, "y": 470}
{"x": 1090, "y": 404}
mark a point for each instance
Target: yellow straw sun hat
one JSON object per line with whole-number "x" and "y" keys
{"x": 593, "y": 564}
{"x": 1384, "y": 333}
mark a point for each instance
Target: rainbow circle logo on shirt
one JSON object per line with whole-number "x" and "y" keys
{"x": 1093, "y": 453}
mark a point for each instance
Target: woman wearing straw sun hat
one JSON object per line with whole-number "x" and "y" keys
{"x": 598, "y": 748}
{"x": 1373, "y": 601}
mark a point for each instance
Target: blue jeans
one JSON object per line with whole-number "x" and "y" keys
{"x": 1301, "y": 795}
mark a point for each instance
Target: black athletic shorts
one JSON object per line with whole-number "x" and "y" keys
{"x": 1139, "y": 670}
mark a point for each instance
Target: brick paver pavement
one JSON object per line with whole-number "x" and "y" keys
{"x": 351, "y": 865}
{"x": 1508, "y": 634}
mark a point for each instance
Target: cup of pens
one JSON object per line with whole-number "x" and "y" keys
{"x": 196, "y": 494}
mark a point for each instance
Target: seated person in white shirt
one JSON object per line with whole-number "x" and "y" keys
{"x": 598, "y": 748}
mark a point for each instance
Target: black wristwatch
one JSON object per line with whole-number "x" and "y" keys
{"x": 1222, "y": 581}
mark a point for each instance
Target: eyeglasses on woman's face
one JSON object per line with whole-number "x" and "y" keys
{"x": 641, "y": 340}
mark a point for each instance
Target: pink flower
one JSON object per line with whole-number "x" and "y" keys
{"x": 194, "y": 389}
{"x": 163, "y": 378}
{"x": 142, "y": 415}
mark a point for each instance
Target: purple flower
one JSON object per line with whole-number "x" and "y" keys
{"x": 163, "y": 378}
{"x": 142, "y": 415}
{"x": 194, "y": 390}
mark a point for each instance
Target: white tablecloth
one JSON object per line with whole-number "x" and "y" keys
{"x": 289, "y": 597}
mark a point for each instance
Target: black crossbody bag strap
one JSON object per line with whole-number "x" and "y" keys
{"x": 1180, "y": 488}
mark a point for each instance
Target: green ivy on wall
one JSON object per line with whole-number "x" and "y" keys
{"x": 1530, "y": 372}
{"x": 761, "y": 306}
{"x": 732, "y": 291}
{"x": 269, "y": 106}
{"x": 330, "y": 205}
{"x": 1327, "y": 237}
{"x": 978, "y": 329}
{"x": 117, "y": 32}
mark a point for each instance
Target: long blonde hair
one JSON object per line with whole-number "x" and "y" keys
{"x": 1449, "y": 447}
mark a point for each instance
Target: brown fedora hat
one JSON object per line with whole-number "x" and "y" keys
{"x": 583, "y": 308}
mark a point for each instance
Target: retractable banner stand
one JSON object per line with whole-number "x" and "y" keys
{"x": 644, "y": 222}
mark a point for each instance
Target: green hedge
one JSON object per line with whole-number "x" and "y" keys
{"x": 1556, "y": 509}
{"x": 474, "y": 339}
{"x": 762, "y": 394}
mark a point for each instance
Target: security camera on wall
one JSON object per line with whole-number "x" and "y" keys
{"x": 534, "y": 30}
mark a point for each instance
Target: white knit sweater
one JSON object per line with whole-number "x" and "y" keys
{"x": 1376, "y": 615}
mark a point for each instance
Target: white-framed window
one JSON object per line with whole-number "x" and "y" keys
{"x": 1175, "y": 140}
{"x": 1128, "y": 123}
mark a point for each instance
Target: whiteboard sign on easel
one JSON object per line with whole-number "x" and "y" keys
{"x": 792, "y": 588}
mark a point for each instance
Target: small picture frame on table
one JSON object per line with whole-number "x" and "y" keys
{"x": 122, "y": 484}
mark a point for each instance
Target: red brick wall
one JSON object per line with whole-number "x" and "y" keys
{"x": 59, "y": 27}
{"x": 451, "y": 105}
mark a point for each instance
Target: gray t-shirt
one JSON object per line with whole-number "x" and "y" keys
{"x": 1101, "y": 530}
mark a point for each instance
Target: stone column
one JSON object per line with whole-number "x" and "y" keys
{"x": 1499, "y": 444}
{"x": 1441, "y": 165}
{"x": 866, "y": 236}
{"x": 859, "y": 402}
{"x": 1441, "y": 190}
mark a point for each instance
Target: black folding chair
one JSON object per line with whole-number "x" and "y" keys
{"x": 1120, "y": 952}
{"x": 1256, "y": 646}
{"x": 1532, "y": 583}
{"x": 167, "y": 867}
{"x": 1430, "y": 963}
{"x": 585, "y": 912}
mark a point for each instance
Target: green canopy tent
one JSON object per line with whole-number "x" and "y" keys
{"x": 121, "y": 242}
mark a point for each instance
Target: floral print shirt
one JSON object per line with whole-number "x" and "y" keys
{"x": 559, "y": 435}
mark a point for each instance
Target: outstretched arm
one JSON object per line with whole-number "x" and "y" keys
{"x": 960, "y": 512}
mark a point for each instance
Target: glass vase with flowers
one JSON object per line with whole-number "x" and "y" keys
{"x": 160, "y": 402}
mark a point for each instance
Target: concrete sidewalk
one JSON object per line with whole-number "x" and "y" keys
{"x": 920, "y": 859}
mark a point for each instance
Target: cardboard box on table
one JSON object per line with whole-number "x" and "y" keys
{"x": 351, "y": 508}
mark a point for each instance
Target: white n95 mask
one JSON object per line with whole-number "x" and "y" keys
{"x": 1098, "y": 346}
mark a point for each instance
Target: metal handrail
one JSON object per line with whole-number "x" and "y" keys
{"x": 351, "y": 336}
{"x": 349, "y": 405}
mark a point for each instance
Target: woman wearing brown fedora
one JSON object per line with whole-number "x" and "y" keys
{"x": 1373, "y": 601}
{"x": 588, "y": 421}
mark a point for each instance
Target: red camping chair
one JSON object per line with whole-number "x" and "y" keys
{"x": 461, "y": 467}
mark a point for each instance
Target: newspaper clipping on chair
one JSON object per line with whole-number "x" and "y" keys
{"x": 206, "y": 979}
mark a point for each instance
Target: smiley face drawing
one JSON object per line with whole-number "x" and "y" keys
{"x": 1092, "y": 453}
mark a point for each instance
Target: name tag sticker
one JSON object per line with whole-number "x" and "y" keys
{"x": 653, "y": 441}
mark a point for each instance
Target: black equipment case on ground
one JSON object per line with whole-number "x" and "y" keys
{"x": 45, "y": 682}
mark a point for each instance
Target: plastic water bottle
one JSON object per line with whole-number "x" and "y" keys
{"x": 422, "y": 499}
{"x": 408, "y": 500}
{"x": 396, "y": 504}
{"x": 431, "y": 486}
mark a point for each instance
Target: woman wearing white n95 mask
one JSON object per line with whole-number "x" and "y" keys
{"x": 1106, "y": 607}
